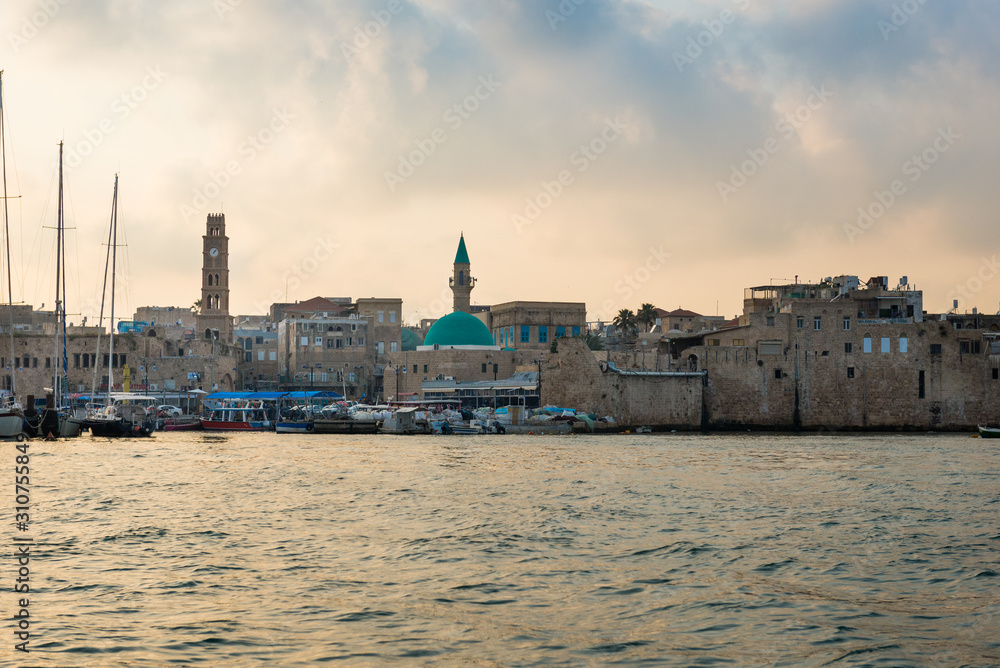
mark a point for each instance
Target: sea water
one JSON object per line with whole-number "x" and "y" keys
{"x": 193, "y": 548}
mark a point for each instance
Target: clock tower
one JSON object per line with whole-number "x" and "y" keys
{"x": 213, "y": 318}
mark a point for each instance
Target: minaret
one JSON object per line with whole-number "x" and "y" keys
{"x": 214, "y": 314}
{"x": 461, "y": 281}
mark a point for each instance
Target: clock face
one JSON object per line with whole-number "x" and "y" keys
{"x": 214, "y": 252}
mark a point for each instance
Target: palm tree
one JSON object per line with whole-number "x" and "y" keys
{"x": 196, "y": 306}
{"x": 646, "y": 316}
{"x": 625, "y": 322}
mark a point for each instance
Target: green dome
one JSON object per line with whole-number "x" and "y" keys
{"x": 459, "y": 329}
{"x": 410, "y": 339}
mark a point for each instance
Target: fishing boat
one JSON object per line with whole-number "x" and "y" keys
{"x": 989, "y": 432}
{"x": 125, "y": 417}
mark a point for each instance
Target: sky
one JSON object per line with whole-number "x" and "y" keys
{"x": 607, "y": 152}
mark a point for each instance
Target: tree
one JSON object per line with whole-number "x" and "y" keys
{"x": 593, "y": 340}
{"x": 196, "y": 306}
{"x": 646, "y": 316}
{"x": 625, "y": 322}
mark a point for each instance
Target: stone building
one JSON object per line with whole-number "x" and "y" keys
{"x": 524, "y": 325}
{"x": 213, "y": 318}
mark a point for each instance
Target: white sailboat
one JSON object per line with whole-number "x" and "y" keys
{"x": 12, "y": 422}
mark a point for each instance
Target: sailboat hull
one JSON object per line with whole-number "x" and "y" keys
{"x": 11, "y": 425}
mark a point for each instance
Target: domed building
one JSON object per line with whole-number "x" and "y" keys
{"x": 458, "y": 330}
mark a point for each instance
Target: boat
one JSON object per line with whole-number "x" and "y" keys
{"x": 402, "y": 421}
{"x": 237, "y": 416}
{"x": 59, "y": 414}
{"x": 117, "y": 418}
{"x": 182, "y": 424}
{"x": 12, "y": 424}
{"x": 989, "y": 432}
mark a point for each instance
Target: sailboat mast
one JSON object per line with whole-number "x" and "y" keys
{"x": 114, "y": 255}
{"x": 104, "y": 294}
{"x": 6, "y": 235}
{"x": 59, "y": 228}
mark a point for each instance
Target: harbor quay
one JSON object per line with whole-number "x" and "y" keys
{"x": 841, "y": 353}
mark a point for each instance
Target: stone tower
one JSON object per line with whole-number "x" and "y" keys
{"x": 213, "y": 319}
{"x": 461, "y": 281}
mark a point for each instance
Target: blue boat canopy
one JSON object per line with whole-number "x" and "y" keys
{"x": 273, "y": 396}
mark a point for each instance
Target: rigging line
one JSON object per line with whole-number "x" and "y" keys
{"x": 6, "y": 235}
{"x": 100, "y": 320}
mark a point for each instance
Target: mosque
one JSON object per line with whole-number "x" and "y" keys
{"x": 471, "y": 354}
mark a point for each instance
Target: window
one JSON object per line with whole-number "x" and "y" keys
{"x": 560, "y": 332}
{"x": 885, "y": 344}
{"x": 425, "y": 368}
{"x": 525, "y": 333}
{"x": 259, "y": 340}
{"x": 393, "y": 346}
{"x": 818, "y": 322}
{"x": 76, "y": 360}
{"x": 847, "y": 322}
{"x": 381, "y": 316}
{"x": 484, "y": 367}
{"x": 319, "y": 341}
{"x": 543, "y": 334}
{"x": 380, "y": 346}
{"x": 272, "y": 356}
{"x": 903, "y": 344}
{"x": 576, "y": 331}
{"x": 414, "y": 368}
{"x": 361, "y": 340}
{"x": 340, "y": 343}
{"x": 350, "y": 377}
{"x": 800, "y": 321}
{"x": 260, "y": 355}
{"x": 350, "y": 341}
{"x": 87, "y": 358}
{"x": 850, "y": 372}
{"x": 769, "y": 321}
{"x": 48, "y": 362}
{"x": 935, "y": 349}
{"x": 739, "y": 342}
{"x": 713, "y": 342}
{"x": 248, "y": 356}
{"x": 248, "y": 344}
{"x": 304, "y": 341}
{"x": 330, "y": 343}
{"x": 777, "y": 373}
{"x": 921, "y": 393}
{"x": 867, "y": 343}
{"x": 392, "y": 316}
{"x": 971, "y": 347}
{"x": 996, "y": 374}
{"x": 848, "y": 347}
{"x": 770, "y": 347}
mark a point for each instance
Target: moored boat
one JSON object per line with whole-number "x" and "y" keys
{"x": 989, "y": 432}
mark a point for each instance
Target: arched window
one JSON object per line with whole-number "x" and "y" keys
{"x": 693, "y": 362}
{"x": 209, "y": 281}
{"x": 217, "y": 279}
{"x": 208, "y": 333}
{"x": 461, "y": 278}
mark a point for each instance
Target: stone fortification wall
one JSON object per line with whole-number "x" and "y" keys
{"x": 574, "y": 379}
{"x": 881, "y": 389}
